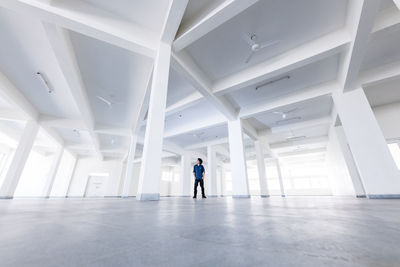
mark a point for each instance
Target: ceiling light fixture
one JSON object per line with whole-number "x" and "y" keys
{"x": 44, "y": 81}
{"x": 273, "y": 81}
{"x": 76, "y": 131}
{"x": 288, "y": 120}
{"x": 295, "y": 138}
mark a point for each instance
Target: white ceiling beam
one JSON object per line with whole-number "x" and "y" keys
{"x": 380, "y": 74}
{"x": 7, "y": 114}
{"x": 112, "y": 130}
{"x": 185, "y": 65}
{"x": 208, "y": 22}
{"x": 195, "y": 126}
{"x": 397, "y": 3}
{"x": 218, "y": 141}
{"x": 184, "y": 103}
{"x": 310, "y": 52}
{"x": 307, "y": 141}
{"x": 313, "y": 92}
{"x": 62, "y": 123}
{"x": 64, "y": 53}
{"x": 327, "y": 120}
{"x": 360, "y": 21}
{"x": 387, "y": 19}
{"x": 12, "y": 95}
{"x": 175, "y": 13}
{"x": 302, "y": 152}
{"x": 249, "y": 130}
{"x": 91, "y": 21}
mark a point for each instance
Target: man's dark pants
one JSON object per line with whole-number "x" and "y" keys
{"x": 196, "y": 183}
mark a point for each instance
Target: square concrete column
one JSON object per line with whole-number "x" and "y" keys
{"x": 351, "y": 165}
{"x": 150, "y": 171}
{"x": 261, "y": 169}
{"x": 186, "y": 177}
{"x": 129, "y": 167}
{"x": 377, "y": 169}
{"x": 240, "y": 184}
{"x": 17, "y": 165}
{"x": 222, "y": 177}
{"x": 281, "y": 186}
{"x": 211, "y": 173}
{"x": 51, "y": 176}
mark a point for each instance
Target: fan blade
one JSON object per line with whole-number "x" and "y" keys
{"x": 249, "y": 57}
{"x": 104, "y": 100}
{"x": 269, "y": 43}
{"x": 247, "y": 39}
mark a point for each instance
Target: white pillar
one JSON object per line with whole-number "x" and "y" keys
{"x": 186, "y": 178}
{"x": 223, "y": 181}
{"x": 18, "y": 162}
{"x": 211, "y": 173}
{"x": 51, "y": 176}
{"x": 261, "y": 169}
{"x": 278, "y": 168}
{"x": 129, "y": 167}
{"x": 150, "y": 171}
{"x": 378, "y": 171}
{"x": 351, "y": 165}
{"x": 240, "y": 185}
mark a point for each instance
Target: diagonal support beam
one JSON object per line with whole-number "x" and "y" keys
{"x": 173, "y": 20}
{"x": 88, "y": 20}
{"x": 316, "y": 91}
{"x": 208, "y": 22}
{"x": 65, "y": 55}
{"x": 360, "y": 23}
{"x": 313, "y": 51}
{"x": 185, "y": 65}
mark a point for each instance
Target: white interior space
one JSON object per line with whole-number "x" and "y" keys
{"x": 279, "y": 98}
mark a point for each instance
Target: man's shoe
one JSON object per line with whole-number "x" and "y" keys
{"x": 194, "y": 197}
{"x": 204, "y": 197}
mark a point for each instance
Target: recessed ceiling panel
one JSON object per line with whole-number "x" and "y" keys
{"x": 224, "y": 50}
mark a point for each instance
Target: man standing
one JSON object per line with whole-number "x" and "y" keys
{"x": 198, "y": 173}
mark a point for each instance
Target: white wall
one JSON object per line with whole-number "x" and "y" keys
{"x": 64, "y": 175}
{"x": 339, "y": 176}
{"x": 34, "y": 175}
{"x": 388, "y": 117}
{"x": 87, "y": 166}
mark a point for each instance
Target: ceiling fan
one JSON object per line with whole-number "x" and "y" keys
{"x": 255, "y": 46}
{"x": 284, "y": 114}
{"x": 109, "y": 103}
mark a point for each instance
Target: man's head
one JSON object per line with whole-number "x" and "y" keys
{"x": 199, "y": 161}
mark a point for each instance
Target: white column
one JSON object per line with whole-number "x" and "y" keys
{"x": 129, "y": 167}
{"x": 240, "y": 185}
{"x": 18, "y": 162}
{"x": 186, "y": 178}
{"x": 278, "y": 168}
{"x": 51, "y": 176}
{"x": 150, "y": 171}
{"x": 261, "y": 169}
{"x": 351, "y": 165}
{"x": 223, "y": 181}
{"x": 211, "y": 173}
{"x": 378, "y": 171}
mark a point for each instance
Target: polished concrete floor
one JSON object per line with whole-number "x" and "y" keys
{"x": 210, "y": 232}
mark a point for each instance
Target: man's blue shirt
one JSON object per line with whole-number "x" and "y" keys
{"x": 198, "y": 171}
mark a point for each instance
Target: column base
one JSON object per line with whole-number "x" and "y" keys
{"x": 241, "y": 196}
{"x": 384, "y": 196}
{"x": 148, "y": 197}
{"x": 264, "y": 196}
{"x": 4, "y": 197}
{"x": 283, "y": 195}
